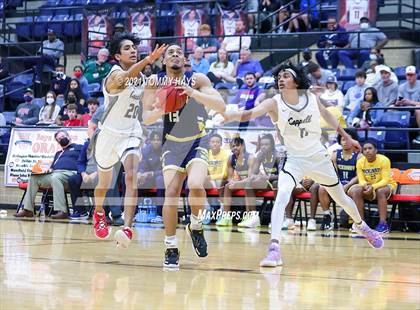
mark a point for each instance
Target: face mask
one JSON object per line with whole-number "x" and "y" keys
{"x": 50, "y": 100}
{"x": 64, "y": 141}
{"x": 71, "y": 99}
{"x": 373, "y": 57}
{"x": 78, "y": 74}
{"x": 28, "y": 98}
{"x": 364, "y": 25}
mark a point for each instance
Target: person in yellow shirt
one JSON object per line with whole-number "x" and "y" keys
{"x": 375, "y": 183}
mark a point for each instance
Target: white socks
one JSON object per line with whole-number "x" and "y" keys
{"x": 196, "y": 222}
{"x": 171, "y": 242}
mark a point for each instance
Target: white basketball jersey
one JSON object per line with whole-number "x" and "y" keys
{"x": 300, "y": 126}
{"x": 122, "y": 109}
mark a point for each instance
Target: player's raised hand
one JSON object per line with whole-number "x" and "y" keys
{"x": 186, "y": 90}
{"x": 354, "y": 144}
{"x": 157, "y": 52}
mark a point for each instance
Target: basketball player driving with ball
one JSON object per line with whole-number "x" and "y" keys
{"x": 119, "y": 137}
{"x": 183, "y": 100}
{"x": 297, "y": 113}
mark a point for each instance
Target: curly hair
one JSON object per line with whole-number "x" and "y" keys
{"x": 300, "y": 78}
{"x": 115, "y": 44}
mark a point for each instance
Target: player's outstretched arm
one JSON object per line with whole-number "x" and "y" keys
{"x": 268, "y": 106}
{"x": 120, "y": 79}
{"x": 152, "y": 110}
{"x": 204, "y": 93}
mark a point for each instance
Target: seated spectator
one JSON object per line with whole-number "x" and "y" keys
{"x": 49, "y": 111}
{"x": 83, "y": 82}
{"x": 409, "y": 94}
{"x": 318, "y": 76}
{"x": 361, "y": 116}
{"x": 267, "y": 21}
{"x": 118, "y": 29}
{"x": 92, "y": 104}
{"x": 375, "y": 183}
{"x": 370, "y": 38}
{"x": 332, "y": 97}
{"x": 73, "y": 121}
{"x": 96, "y": 70}
{"x": 307, "y": 60}
{"x": 344, "y": 161}
{"x": 209, "y": 45}
{"x": 375, "y": 54}
{"x": 331, "y": 43}
{"x": 373, "y": 74}
{"x": 218, "y": 161}
{"x": 285, "y": 27}
{"x": 70, "y": 98}
{"x": 301, "y": 22}
{"x": 74, "y": 86}
{"x": 239, "y": 167}
{"x": 198, "y": 63}
{"x": 354, "y": 95}
{"x": 27, "y": 113}
{"x": 62, "y": 167}
{"x": 221, "y": 71}
{"x": 387, "y": 88}
{"x": 246, "y": 64}
{"x": 60, "y": 81}
{"x": 233, "y": 44}
{"x": 150, "y": 171}
{"x": 251, "y": 13}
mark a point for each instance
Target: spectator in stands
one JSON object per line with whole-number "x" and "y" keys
{"x": 74, "y": 86}
{"x": 49, "y": 111}
{"x": 375, "y": 183}
{"x": 96, "y": 70}
{"x": 62, "y": 167}
{"x": 387, "y": 88}
{"x": 148, "y": 71}
{"x": 92, "y": 104}
{"x": 331, "y": 43}
{"x": 360, "y": 116}
{"x": 209, "y": 45}
{"x": 354, "y": 95}
{"x": 251, "y": 12}
{"x": 218, "y": 161}
{"x": 332, "y": 96}
{"x": 300, "y": 15}
{"x": 73, "y": 121}
{"x": 307, "y": 60}
{"x": 150, "y": 171}
{"x": 375, "y": 54}
{"x": 84, "y": 85}
{"x": 370, "y": 38}
{"x": 60, "y": 82}
{"x": 27, "y": 113}
{"x": 283, "y": 26}
{"x": 317, "y": 76}
{"x": 70, "y": 98}
{"x": 239, "y": 167}
{"x": 118, "y": 28}
{"x": 222, "y": 70}
{"x": 199, "y": 64}
{"x": 233, "y": 44}
{"x": 246, "y": 64}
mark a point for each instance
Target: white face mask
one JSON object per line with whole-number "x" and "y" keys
{"x": 364, "y": 25}
{"x": 50, "y": 100}
{"x": 373, "y": 57}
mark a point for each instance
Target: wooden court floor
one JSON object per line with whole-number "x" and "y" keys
{"x": 58, "y": 265}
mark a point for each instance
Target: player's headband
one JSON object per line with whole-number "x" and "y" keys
{"x": 292, "y": 72}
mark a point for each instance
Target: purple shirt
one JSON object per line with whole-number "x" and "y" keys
{"x": 251, "y": 65}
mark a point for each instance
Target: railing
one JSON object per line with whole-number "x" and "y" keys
{"x": 10, "y": 78}
{"x": 400, "y": 14}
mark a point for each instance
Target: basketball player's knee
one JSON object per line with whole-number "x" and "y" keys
{"x": 195, "y": 184}
{"x": 322, "y": 191}
{"x": 356, "y": 192}
{"x": 171, "y": 192}
{"x": 382, "y": 193}
{"x": 314, "y": 188}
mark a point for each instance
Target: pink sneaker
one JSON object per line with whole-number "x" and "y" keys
{"x": 273, "y": 258}
{"x": 373, "y": 237}
{"x": 123, "y": 237}
{"x": 100, "y": 226}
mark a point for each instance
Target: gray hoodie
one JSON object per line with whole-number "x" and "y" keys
{"x": 387, "y": 94}
{"x": 354, "y": 96}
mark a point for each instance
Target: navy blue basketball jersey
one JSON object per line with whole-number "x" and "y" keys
{"x": 346, "y": 168}
{"x": 241, "y": 168}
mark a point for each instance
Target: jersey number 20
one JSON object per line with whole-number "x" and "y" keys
{"x": 133, "y": 111}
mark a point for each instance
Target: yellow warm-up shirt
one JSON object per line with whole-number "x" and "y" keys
{"x": 376, "y": 173}
{"x": 218, "y": 169}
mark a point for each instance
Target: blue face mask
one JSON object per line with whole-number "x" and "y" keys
{"x": 28, "y": 98}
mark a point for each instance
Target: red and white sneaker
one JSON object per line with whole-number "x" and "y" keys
{"x": 123, "y": 237}
{"x": 100, "y": 226}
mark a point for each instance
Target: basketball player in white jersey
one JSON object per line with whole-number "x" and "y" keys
{"x": 120, "y": 135}
{"x": 297, "y": 113}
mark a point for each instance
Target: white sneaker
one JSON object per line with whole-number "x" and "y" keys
{"x": 252, "y": 221}
{"x": 288, "y": 224}
{"x": 311, "y": 225}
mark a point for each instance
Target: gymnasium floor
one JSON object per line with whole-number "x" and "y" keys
{"x": 58, "y": 265}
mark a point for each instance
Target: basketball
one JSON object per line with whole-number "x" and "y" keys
{"x": 171, "y": 99}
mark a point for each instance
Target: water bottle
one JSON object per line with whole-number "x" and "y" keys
{"x": 42, "y": 210}
{"x": 141, "y": 216}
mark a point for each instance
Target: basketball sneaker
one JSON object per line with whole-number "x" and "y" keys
{"x": 273, "y": 258}
{"x": 252, "y": 221}
{"x": 288, "y": 224}
{"x": 100, "y": 226}
{"x": 123, "y": 237}
{"x": 224, "y": 221}
{"x": 311, "y": 225}
{"x": 198, "y": 241}
{"x": 373, "y": 237}
{"x": 327, "y": 221}
{"x": 171, "y": 258}
{"x": 382, "y": 227}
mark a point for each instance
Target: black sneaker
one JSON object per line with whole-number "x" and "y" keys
{"x": 171, "y": 258}
{"x": 327, "y": 222}
{"x": 198, "y": 242}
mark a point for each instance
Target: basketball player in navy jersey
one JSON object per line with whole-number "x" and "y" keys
{"x": 185, "y": 145}
{"x": 119, "y": 137}
{"x": 297, "y": 113}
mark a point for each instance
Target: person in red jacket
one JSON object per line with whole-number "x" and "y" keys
{"x": 73, "y": 121}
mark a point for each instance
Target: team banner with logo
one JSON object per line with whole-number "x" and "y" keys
{"x": 189, "y": 20}
{"x": 226, "y": 21}
{"x": 142, "y": 24}
{"x": 96, "y": 31}
{"x": 27, "y": 146}
{"x": 351, "y": 11}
